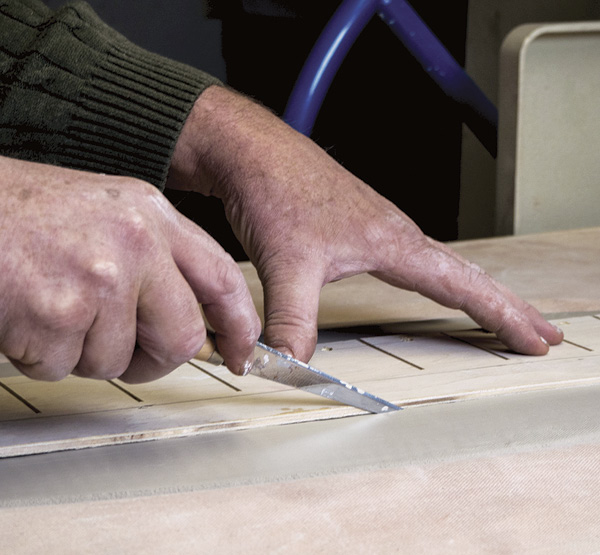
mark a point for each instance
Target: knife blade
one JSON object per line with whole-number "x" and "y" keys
{"x": 273, "y": 365}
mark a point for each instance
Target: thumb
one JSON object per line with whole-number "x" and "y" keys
{"x": 291, "y": 308}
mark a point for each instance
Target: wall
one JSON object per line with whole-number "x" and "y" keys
{"x": 489, "y": 21}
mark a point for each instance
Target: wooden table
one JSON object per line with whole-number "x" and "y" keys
{"x": 507, "y": 473}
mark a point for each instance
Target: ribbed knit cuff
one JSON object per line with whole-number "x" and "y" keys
{"x": 82, "y": 96}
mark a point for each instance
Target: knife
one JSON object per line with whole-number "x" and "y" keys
{"x": 276, "y": 366}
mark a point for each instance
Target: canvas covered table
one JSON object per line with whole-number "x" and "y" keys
{"x": 502, "y": 469}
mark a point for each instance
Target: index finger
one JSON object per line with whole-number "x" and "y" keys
{"x": 219, "y": 286}
{"x": 438, "y": 272}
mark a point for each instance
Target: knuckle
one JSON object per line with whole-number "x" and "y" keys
{"x": 65, "y": 311}
{"x": 228, "y": 284}
{"x": 135, "y": 229}
{"x": 228, "y": 276}
{"x": 43, "y": 372}
{"x": 286, "y": 317}
{"x": 284, "y": 324}
{"x": 180, "y": 349}
{"x": 19, "y": 347}
{"x": 501, "y": 326}
{"x": 39, "y": 357}
{"x": 137, "y": 220}
{"x": 249, "y": 337}
{"x": 394, "y": 237}
{"x": 476, "y": 284}
{"x": 254, "y": 330}
{"x": 105, "y": 273}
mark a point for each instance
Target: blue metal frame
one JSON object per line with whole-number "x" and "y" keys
{"x": 342, "y": 30}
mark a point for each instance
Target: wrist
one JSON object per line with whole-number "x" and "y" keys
{"x": 223, "y": 132}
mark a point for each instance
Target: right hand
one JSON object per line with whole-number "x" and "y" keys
{"x": 101, "y": 277}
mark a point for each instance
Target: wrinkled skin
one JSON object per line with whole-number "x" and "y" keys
{"x": 101, "y": 277}
{"x": 305, "y": 221}
{"x": 92, "y": 265}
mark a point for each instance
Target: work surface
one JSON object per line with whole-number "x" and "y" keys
{"x": 510, "y": 465}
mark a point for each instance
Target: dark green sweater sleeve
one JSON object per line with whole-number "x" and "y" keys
{"x": 75, "y": 93}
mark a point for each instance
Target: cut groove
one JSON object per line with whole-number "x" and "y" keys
{"x": 467, "y": 342}
{"x": 213, "y": 376}
{"x": 365, "y": 342}
{"x": 578, "y": 345}
{"x": 17, "y": 396}
{"x": 120, "y": 388}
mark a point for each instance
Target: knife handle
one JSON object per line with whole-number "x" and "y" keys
{"x": 209, "y": 352}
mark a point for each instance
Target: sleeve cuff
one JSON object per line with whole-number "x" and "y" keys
{"x": 85, "y": 97}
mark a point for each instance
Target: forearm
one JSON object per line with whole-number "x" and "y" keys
{"x": 228, "y": 138}
{"x": 75, "y": 93}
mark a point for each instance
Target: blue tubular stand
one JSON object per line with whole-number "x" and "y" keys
{"x": 325, "y": 59}
{"x": 340, "y": 34}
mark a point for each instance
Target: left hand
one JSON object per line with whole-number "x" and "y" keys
{"x": 306, "y": 221}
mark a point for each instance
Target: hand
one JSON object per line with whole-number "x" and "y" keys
{"x": 92, "y": 266}
{"x": 305, "y": 221}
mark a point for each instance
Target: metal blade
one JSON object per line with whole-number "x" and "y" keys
{"x": 278, "y": 367}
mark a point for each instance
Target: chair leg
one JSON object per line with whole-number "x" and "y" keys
{"x": 479, "y": 113}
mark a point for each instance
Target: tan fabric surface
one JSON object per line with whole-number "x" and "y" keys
{"x": 539, "y": 498}
{"x": 532, "y": 502}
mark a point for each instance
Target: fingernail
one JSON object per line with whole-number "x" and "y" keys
{"x": 559, "y": 330}
{"x": 543, "y": 340}
{"x": 247, "y": 368}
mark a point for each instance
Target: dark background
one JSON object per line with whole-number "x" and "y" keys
{"x": 384, "y": 119}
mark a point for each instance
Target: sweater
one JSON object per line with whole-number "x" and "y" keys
{"x": 75, "y": 93}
